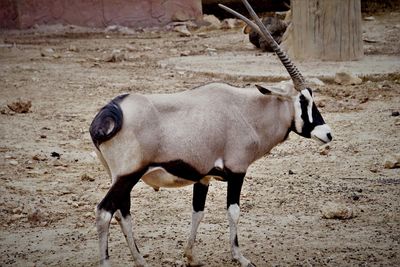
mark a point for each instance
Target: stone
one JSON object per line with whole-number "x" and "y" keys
{"x": 315, "y": 81}
{"x": 369, "y": 18}
{"x": 324, "y": 149}
{"x": 86, "y": 177}
{"x": 20, "y": 105}
{"x": 212, "y": 21}
{"x": 346, "y": 78}
{"x": 183, "y": 31}
{"x": 230, "y": 24}
{"x": 338, "y": 211}
{"x": 116, "y": 55}
{"x": 13, "y": 162}
{"x": 392, "y": 162}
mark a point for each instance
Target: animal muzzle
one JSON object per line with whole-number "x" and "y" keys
{"x": 322, "y": 133}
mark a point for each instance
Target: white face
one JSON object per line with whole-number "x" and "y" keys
{"x": 308, "y": 121}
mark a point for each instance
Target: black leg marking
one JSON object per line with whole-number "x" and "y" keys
{"x": 118, "y": 197}
{"x": 235, "y": 182}
{"x": 236, "y": 241}
{"x": 199, "y": 196}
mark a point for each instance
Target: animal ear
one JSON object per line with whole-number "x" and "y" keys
{"x": 263, "y": 90}
{"x": 278, "y": 91}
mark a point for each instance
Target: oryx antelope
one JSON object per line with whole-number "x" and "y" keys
{"x": 186, "y": 138}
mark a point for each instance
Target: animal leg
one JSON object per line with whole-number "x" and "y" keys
{"x": 199, "y": 199}
{"x": 117, "y": 199}
{"x": 235, "y": 183}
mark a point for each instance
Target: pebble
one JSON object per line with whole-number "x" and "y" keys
{"x": 230, "y": 23}
{"x": 20, "y": 105}
{"x": 392, "y": 162}
{"x": 87, "y": 177}
{"x": 13, "y": 162}
{"x": 213, "y": 21}
{"x": 347, "y": 78}
{"x": 324, "y": 149}
{"x": 338, "y": 211}
{"x": 395, "y": 113}
{"x": 315, "y": 81}
{"x": 183, "y": 31}
{"x": 116, "y": 55}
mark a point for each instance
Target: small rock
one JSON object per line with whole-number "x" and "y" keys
{"x": 369, "y": 18}
{"x": 185, "y": 53}
{"x": 324, "y": 149}
{"x": 230, "y": 24}
{"x": 88, "y": 214}
{"x": 213, "y": 21}
{"x": 17, "y": 210}
{"x": 13, "y": 162}
{"x": 183, "y": 31}
{"x": 39, "y": 157}
{"x": 321, "y": 104}
{"x": 20, "y": 105}
{"x": 336, "y": 211}
{"x": 115, "y": 56}
{"x": 346, "y": 78}
{"x": 392, "y": 162}
{"x": 373, "y": 169}
{"x": 79, "y": 225}
{"x": 73, "y": 48}
{"x": 315, "y": 81}
{"x": 86, "y": 177}
{"x": 364, "y": 100}
{"x": 290, "y": 172}
{"x": 46, "y": 52}
{"x": 395, "y": 113}
{"x": 35, "y": 216}
{"x": 130, "y": 48}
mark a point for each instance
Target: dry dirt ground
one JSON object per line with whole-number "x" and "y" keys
{"x": 51, "y": 182}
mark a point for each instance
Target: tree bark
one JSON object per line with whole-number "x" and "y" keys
{"x": 325, "y": 30}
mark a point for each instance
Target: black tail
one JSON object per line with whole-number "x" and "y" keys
{"x": 107, "y": 122}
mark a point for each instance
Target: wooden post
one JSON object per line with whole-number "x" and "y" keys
{"x": 325, "y": 30}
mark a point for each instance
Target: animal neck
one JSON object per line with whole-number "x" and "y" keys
{"x": 276, "y": 122}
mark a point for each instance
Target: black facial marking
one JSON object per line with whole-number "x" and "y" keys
{"x": 316, "y": 115}
{"x": 199, "y": 196}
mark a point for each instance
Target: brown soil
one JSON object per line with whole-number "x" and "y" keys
{"x": 51, "y": 182}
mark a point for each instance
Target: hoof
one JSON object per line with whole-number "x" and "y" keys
{"x": 251, "y": 265}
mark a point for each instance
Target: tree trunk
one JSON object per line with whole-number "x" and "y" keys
{"x": 325, "y": 30}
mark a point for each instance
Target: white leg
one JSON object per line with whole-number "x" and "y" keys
{"x": 196, "y": 219}
{"x": 126, "y": 227}
{"x": 103, "y": 219}
{"x": 233, "y": 217}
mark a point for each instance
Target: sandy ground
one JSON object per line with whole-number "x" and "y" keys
{"x": 47, "y": 203}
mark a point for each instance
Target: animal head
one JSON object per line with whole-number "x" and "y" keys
{"x": 307, "y": 121}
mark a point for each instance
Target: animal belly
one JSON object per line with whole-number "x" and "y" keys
{"x": 158, "y": 177}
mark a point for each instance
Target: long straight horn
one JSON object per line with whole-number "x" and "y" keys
{"x": 260, "y": 28}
